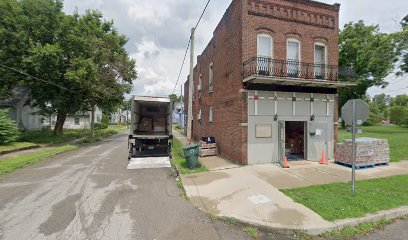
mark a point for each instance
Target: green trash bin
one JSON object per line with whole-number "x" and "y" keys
{"x": 191, "y": 154}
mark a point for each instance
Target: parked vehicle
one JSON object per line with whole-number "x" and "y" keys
{"x": 151, "y": 127}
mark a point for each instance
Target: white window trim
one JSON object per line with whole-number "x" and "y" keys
{"x": 199, "y": 87}
{"x": 211, "y": 78}
{"x": 199, "y": 115}
{"x": 257, "y": 44}
{"x": 211, "y": 115}
{"x": 326, "y": 58}
{"x": 300, "y": 48}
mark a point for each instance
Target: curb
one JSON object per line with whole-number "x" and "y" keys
{"x": 375, "y": 217}
{"x": 332, "y": 226}
{"x": 19, "y": 149}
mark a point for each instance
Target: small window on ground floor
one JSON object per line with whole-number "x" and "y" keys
{"x": 77, "y": 121}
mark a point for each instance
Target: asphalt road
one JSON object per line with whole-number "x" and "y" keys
{"x": 89, "y": 194}
{"x": 395, "y": 231}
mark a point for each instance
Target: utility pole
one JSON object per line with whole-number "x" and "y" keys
{"x": 182, "y": 107}
{"x": 190, "y": 89}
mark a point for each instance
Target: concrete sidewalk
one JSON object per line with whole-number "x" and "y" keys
{"x": 24, "y": 152}
{"x": 251, "y": 194}
{"x": 180, "y": 137}
{"x": 239, "y": 194}
{"x": 317, "y": 174}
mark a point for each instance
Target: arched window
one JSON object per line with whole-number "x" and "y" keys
{"x": 264, "y": 46}
{"x": 320, "y": 60}
{"x": 211, "y": 78}
{"x": 293, "y": 56}
{"x": 264, "y": 54}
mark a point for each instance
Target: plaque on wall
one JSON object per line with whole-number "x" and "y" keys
{"x": 263, "y": 131}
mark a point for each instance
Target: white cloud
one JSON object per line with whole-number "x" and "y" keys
{"x": 158, "y": 32}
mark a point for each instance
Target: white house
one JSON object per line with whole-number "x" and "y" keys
{"x": 79, "y": 120}
{"x": 120, "y": 116}
{"x": 26, "y": 117}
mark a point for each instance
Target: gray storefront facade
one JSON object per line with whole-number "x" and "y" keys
{"x": 297, "y": 125}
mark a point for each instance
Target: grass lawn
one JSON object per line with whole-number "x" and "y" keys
{"x": 15, "y": 145}
{"x": 334, "y": 201}
{"x": 45, "y": 136}
{"x": 12, "y": 164}
{"x": 397, "y": 138}
{"x": 180, "y": 161}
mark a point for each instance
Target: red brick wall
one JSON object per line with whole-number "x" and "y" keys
{"x": 235, "y": 41}
{"x": 283, "y": 19}
{"x": 229, "y": 107}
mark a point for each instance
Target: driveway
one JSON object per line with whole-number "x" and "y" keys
{"x": 89, "y": 194}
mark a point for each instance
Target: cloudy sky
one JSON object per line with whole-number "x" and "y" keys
{"x": 159, "y": 30}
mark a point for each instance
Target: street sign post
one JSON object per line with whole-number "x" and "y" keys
{"x": 355, "y": 112}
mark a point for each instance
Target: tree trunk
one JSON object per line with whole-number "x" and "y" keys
{"x": 59, "y": 125}
{"x": 93, "y": 121}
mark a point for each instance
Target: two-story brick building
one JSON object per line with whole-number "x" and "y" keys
{"x": 266, "y": 84}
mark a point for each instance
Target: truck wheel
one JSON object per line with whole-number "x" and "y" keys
{"x": 130, "y": 151}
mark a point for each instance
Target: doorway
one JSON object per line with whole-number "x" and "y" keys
{"x": 295, "y": 140}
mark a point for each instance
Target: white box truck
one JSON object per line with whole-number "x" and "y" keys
{"x": 150, "y": 135}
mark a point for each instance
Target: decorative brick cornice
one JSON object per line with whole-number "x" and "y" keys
{"x": 292, "y": 14}
{"x": 334, "y": 7}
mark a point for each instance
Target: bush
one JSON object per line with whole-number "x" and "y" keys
{"x": 399, "y": 115}
{"x": 8, "y": 128}
{"x": 99, "y": 126}
{"x": 375, "y": 116}
{"x": 105, "y": 121}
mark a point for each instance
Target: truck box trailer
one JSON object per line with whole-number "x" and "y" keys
{"x": 151, "y": 129}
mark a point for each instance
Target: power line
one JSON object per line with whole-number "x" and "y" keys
{"x": 202, "y": 14}
{"x": 182, "y": 65}
{"x": 188, "y": 45}
{"x": 28, "y": 75}
{"x": 397, "y": 89}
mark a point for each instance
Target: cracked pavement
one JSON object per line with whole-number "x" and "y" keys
{"x": 89, "y": 194}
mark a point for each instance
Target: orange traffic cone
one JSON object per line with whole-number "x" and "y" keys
{"x": 285, "y": 162}
{"x": 323, "y": 161}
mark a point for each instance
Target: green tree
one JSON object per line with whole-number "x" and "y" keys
{"x": 375, "y": 116}
{"x": 400, "y": 100}
{"x": 382, "y": 101}
{"x": 370, "y": 53}
{"x": 84, "y": 64}
{"x": 175, "y": 98}
{"x": 13, "y": 41}
{"x": 402, "y": 39}
{"x": 399, "y": 115}
{"x": 114, "y": 69}
{"x": 8, "y": 128}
